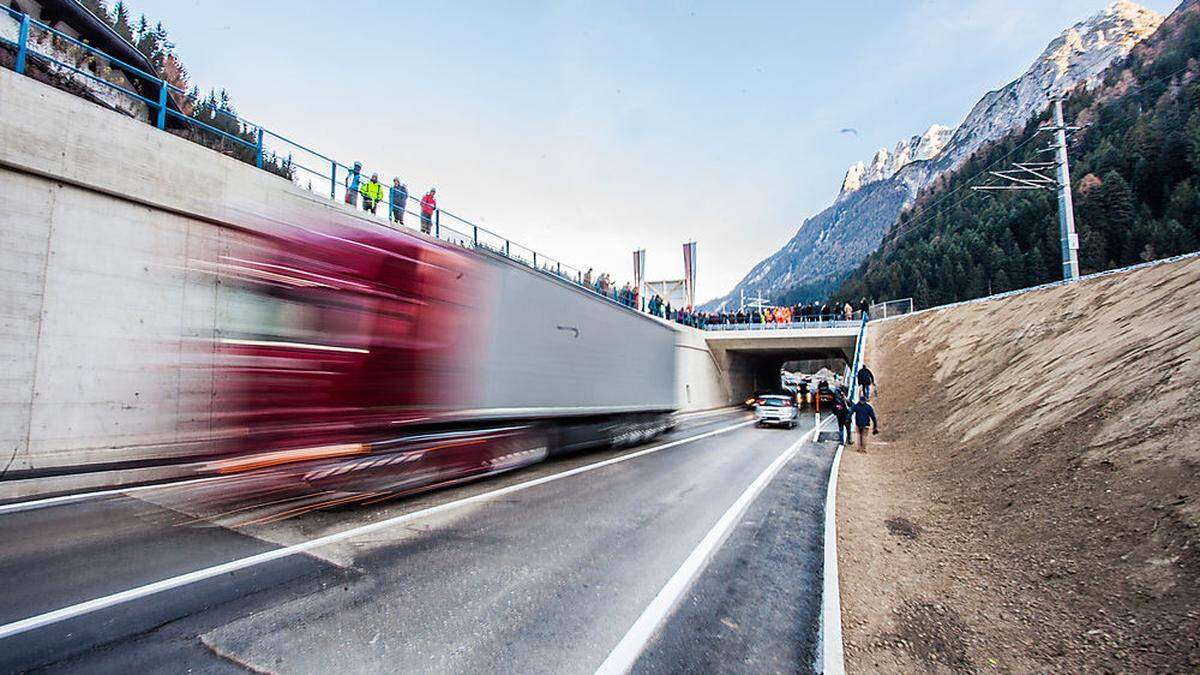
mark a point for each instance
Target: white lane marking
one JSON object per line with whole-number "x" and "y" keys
{"x": 830, "y": 657}
{"x": 79, "y": 609}
{"x": 80, "y": 496}
{"x": 627, "y": 651}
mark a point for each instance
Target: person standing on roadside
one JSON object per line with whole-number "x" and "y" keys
{"x": 864, "y": 307}
{"x": 848, "y": 311}
{"x": 866, "y": 380}
{"x": 428, "y": 206}
{"x": 864, "y": 416}
{"x": 398, "y": 200}
{"x": 372, "y": 193}
{"x": 841, "y": 410}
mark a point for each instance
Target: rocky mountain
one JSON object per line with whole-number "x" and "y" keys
{"x": 884, "y": 165}
{"x": 831, "y": 243}
{"x": 1135, "y": 162}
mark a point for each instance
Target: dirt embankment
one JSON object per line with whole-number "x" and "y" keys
{"x": 1033, "y": 501}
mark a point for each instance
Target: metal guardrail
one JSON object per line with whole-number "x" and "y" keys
{"x": 883, "y": 310}
{"x": 858, "y": 348}
{"x": 268, "y": 145}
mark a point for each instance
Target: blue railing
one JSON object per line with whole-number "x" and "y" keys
{"x": 858, "y": 349}
{"x": 268, "y": 147}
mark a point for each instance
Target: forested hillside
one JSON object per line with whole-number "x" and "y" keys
{"x": 1135, "y": 171}
{"x": 215, "y": 110}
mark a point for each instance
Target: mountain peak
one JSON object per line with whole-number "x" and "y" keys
{"x": 885, "y": 164}
{"x": 1090, "y": 45}
{"x": 1079, "y": 53}
{"x": 873, "y": 193}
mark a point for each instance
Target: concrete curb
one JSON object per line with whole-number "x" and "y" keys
{"x": 830, "y": 657}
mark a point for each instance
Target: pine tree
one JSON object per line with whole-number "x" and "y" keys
{"x": 1192, "y": 137}
{"x": 119, "y": 19}
{"x": 1120, "y": 217}
{"x": 96, "y": 7}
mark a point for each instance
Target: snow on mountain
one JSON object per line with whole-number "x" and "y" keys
{"x": 884, "y": 165}
{"x": 831, "y": 243}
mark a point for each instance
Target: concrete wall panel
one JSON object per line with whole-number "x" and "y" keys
{"x": 25, "y": 207}
{"x": 701, "y": 381}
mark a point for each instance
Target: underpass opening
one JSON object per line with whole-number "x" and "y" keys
{"x": 754, "y": 371}
{"x": 751, "y": 360}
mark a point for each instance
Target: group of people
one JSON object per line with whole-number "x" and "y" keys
{"x": 858, "y": 413}
{"x": 371, "y": 192}
{"x": 802, "y": 313}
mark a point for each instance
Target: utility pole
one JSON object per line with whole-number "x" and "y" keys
{"x": 1032, "y": 176}
{"x": 1066, "y": 209}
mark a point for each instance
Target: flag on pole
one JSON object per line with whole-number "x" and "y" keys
{"x": 689, "y": 273}
{"x": 639, "y": 275}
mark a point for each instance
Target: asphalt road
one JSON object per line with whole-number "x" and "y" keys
{"x": 548, "y": 578}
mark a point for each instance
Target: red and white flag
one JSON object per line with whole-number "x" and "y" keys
{"x": 639, "y": 274}
{"x": 689, "y": 273}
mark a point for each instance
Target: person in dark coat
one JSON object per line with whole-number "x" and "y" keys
{"x": 398, "y": 200}
{"x": 841, "y": 410}
{"x": 864, "y": 416}
{"x": 866, "y": 380}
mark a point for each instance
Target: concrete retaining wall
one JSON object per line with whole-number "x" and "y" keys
{"x": 701, "y": 382}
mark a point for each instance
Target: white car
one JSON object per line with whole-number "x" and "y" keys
{"x": 773, "y": 409}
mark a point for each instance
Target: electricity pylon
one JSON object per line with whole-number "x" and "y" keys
{"x": 1033, "y": 176}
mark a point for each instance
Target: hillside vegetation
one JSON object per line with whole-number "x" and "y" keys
{"x": 1135, "y": 174}
{"x": 1033, "y": 501}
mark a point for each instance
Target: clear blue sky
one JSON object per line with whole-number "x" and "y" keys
{"x": 589, "y": 129}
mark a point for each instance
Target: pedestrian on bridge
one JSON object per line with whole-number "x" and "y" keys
{"x": 372, "y": 193}
{"x": 866, "y": 380}
{"x": 864, "y": 306}
{"x": 353, "y": 179}
{"x": 864, "y": 417}
{"x": 398, "y": 200}
{"x": 428, "y": 206}
{"x": 848, "y": 311}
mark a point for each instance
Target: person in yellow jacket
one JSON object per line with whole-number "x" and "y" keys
{"x": 372, "y": 193}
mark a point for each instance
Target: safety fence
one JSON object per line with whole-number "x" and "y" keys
{"x": 816, "y": 322}
{"x": 883, "y": 310}
{"x": 858, "y": 349}
{"x": 173, "y": 108}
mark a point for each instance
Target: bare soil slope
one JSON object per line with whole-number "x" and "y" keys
{"x": 1034, "y": 500}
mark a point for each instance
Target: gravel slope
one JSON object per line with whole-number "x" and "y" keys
{"x": 1032, "y": 503}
